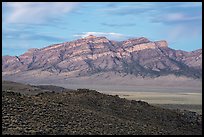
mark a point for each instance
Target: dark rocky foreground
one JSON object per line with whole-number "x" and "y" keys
{"x": 90, "y": 112}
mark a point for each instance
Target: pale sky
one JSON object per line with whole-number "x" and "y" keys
{"x": 39, "y": 24}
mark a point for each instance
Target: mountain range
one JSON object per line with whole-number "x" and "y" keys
{"x": 92, "y": 55}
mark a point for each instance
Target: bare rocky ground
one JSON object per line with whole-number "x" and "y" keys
{"x": 84, "y": 111}
{"x": 191, "y": 107}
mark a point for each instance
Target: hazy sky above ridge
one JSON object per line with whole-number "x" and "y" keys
{"x": 39, "y": 24}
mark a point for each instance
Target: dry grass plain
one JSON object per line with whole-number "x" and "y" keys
{"x": 184, "y": 101}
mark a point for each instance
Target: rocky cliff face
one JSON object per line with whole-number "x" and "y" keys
{"x": 92, "y": 54}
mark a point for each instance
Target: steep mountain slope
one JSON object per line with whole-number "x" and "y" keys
{"x": 92, "y": 54}
{"x": 89, "y": 112}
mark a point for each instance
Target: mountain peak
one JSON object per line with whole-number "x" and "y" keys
{"x": 90, "y": 37}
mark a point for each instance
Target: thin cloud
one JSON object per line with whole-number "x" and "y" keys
{"x": 182, "y": 20}
{"x": 161, "y": 12}
{"x": 29, "y": 35}
{"x": 110, "y": 35}
{"x": 118, "y": 25}
{"x": 135, "y": 8}
{"x": 180, "y": 15}
{"x": 36, "y": 12}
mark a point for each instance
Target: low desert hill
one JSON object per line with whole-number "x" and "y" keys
{"x": 83, "y": 111}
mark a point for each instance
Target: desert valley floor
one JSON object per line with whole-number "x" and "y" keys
{"x": 168, "y": 91}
